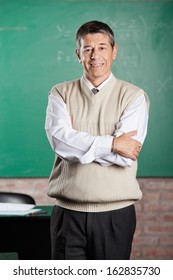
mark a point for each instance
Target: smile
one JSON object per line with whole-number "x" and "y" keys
{"x": 96, "y": 64}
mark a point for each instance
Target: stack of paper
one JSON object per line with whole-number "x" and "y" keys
{"x": 17, "y": 209}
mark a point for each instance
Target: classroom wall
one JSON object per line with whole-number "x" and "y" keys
{"x": 154, "y": 234}
{"x": 37, "y": 47}
{"x": 37, "y": 50}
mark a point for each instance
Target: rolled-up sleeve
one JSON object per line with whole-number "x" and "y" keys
{"x": 76, "y": 146}
{"x": 68, "y": 143}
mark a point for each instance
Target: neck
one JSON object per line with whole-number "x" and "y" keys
{"x": 96, "y": 82}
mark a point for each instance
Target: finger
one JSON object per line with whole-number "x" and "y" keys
{"x": 139, "y": 147}
{"x": 138, "y": 143}
{"x": 133, "y": 157}
{"x": 136, "y": 153}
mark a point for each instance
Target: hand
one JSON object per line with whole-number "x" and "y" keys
{"x": 125, "y": 146}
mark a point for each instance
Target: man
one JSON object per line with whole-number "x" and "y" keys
{"x": 97, "y": 135}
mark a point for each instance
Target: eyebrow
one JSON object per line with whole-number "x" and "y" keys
{"x": 89, "y": 46}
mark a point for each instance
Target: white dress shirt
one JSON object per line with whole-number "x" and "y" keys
{"x": 76, "y": 146}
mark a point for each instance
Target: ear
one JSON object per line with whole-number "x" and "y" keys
{"x": 115, "y": 50}
{"x": 78, "y": 55}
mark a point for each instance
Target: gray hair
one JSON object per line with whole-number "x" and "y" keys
{"x": 94, "y": 27}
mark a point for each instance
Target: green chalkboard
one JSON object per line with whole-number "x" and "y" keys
{"x": 37, "y": 50}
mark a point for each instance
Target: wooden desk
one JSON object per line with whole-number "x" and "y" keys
{"x": 29, "y": 236}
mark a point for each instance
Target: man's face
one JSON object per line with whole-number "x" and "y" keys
{"x": 96, "y": 55}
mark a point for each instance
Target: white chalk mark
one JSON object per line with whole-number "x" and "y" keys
{"x": 163, "y": 85}
{"x": 144, "y": 25}
{"x": 59, "y": 29}
{"x": 15, "y": 28}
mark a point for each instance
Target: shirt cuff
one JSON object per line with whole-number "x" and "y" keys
{"x": 103, "y": 146}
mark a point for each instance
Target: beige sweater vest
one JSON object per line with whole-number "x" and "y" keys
{"x": 91, "y": 187}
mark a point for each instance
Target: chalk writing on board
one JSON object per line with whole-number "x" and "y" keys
{"x": 62, "y": 31}
{"x": 126, "y": 30}
{"x": 64, "y": 57}
{"x": 14, "y": 28}
{"x": 163, "y": 85}
{"x": 130, "y": 28}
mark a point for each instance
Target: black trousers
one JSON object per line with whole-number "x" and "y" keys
{"x": 92, "y": 236}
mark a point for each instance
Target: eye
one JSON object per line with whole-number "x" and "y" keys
{"x": 102, "y": 48}
{"x": 87, "y": 50}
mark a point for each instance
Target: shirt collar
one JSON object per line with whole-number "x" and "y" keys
{"x": 90, "y": 85}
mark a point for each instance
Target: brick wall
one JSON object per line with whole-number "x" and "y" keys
{"x": 154, "y": 234}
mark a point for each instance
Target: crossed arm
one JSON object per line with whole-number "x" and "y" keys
{"x": 126, "y": 146}
{"x": 122, "y": 148}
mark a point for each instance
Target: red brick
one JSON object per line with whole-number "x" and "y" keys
{"x": 156, "y": 184}
{"x": 167, "y": 196}
{"x": 158, "y": 229}
{"x": 158, "y": 253}
{"x": 138, "y": 206}
{"x": 136, "y": 253}
{"x": 152, "y": 196}
{"x": 168, "y": 217}
{"x": 166, "y": 240}
{"x": 158, "y": 207}
{"x": 147, "y": 217}
{"x": 146, "y": 240}
{"x": 138, "y": 230}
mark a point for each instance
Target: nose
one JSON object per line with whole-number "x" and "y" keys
{"x": 94, "y": 54}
